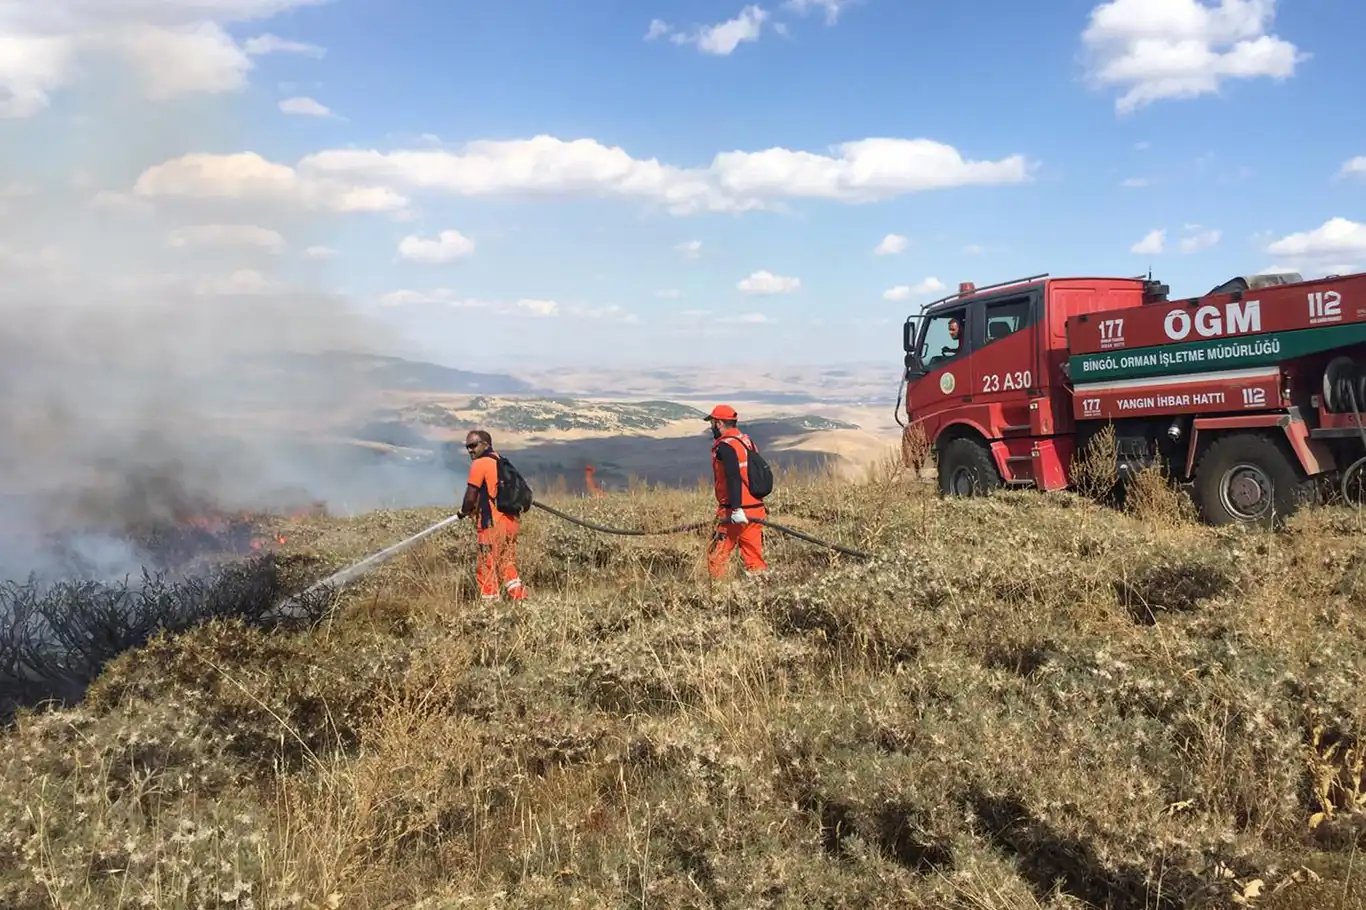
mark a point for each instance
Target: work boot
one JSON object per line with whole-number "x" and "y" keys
{"x": 516, "y": 590}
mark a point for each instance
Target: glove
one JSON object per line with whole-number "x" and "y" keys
{"x": 738, "y": 517}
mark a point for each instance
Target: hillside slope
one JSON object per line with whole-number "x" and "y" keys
{"x": 394, "y": 373}
{"x": 663, "y": 442}
{"x": 1023, "y": 701}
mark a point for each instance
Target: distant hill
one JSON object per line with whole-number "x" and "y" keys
{"x": 792, "y": 422}
{"x": 396, "y": 373}
{"x": 544, "y": 415}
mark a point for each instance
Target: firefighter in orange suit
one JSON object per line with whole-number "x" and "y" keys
{"x": 735, "y": 505}
{"x": 496, "y": 538}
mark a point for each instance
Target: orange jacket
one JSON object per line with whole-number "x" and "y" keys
{"x": 730, "y": 466}
{"x": 483, "y": 481}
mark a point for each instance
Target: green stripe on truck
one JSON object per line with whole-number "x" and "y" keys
{"x": 1216, "y": 354}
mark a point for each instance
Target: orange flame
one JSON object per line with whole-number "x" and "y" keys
{"x": 593, "y": 489}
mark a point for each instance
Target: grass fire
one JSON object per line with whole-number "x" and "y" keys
{"x": 1022, "y": 701}
{"x": 106, "y": 589}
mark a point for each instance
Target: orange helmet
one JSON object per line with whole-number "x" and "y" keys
{"x": 723, "y": 412}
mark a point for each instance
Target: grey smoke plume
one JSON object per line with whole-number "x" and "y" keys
{"x": 140, "y": 346}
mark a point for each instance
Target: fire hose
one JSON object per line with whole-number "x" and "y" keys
{"x": 782, "y": 529}
{"x": 369, "y": 563}
{"x": 1355, "y": 467}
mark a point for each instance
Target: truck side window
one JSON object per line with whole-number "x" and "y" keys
{"x": 1007, "y": 318}
{"x": 944, "y": 338}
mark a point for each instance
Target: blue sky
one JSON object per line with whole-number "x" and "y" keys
{"x": 1231, "y": 127}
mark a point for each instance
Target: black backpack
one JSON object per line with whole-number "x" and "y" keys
{"x": 514, "y": 493}
{"x": 760, "y": 474}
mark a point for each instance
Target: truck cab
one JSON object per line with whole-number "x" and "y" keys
{"x": 986, "y": 377}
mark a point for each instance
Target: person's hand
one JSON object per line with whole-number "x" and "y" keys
{"x": 738, "y": 517}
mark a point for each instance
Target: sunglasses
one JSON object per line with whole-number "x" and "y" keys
{"x": 471, "y": 446}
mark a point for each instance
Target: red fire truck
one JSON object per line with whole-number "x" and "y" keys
{"x": 1250, "y": 395}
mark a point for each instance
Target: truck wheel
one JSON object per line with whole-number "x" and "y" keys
{"x": 1247, "y": 478}
{"x": 967, "y": 469}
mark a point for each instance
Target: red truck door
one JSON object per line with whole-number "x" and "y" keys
{"x": 940, "y": 382}
{"x": 1006, "y": 359}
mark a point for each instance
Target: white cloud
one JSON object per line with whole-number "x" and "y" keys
{"x": 1134, "y": 183}
{"x": 1153, "y": 50}
{"x": 1202, "y": 240}
{"x": 765, "y": 282}
{"x": 1334, "y": 247}
{"x": 612, "y": 313}
{"x": 972, "y": 249}
{"x": 273, "y": 44}
{"x": 31, "y": 67}
{"x": 1151, "y": 244}
{"x": 176, "y": 47}
{"x": 930, "y": 285}
{"x": 830, "y": 7}
{"x": 448, "y": 247}
{"x": 247, "y": 177}
{"x": 691, "y": 249}
{"x": 525, "y": 307}
{"x": 226, "y": 235}
{"x": 722, "y": 39}
{"x": 319, "y": 252}
{"x": 174, "y": 62}
{"x": 891, "y": 245}
{"x": 305, "y": 107}
{"x": 863, "y": 171}
{"x": 539, "y": 307}
{"x": 1354, "y": 167}
{"x": 747, "y": 319}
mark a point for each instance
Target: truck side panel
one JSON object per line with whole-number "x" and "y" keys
{"x": 1311, "y": 304}
{"x": 1263, "y": 349}
{"x": 1072, "y": 300}
{"x": 1069, "y": 299}
{"x": 1187, "y": 393}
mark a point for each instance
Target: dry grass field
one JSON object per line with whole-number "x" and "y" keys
{"x": 1023, "y": 701}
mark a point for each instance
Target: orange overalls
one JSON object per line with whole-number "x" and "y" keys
{"x": 730, "y": 466}
{"x": 496, "y": 540}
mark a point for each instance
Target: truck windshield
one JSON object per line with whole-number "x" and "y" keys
{"x": 942, "y": 339}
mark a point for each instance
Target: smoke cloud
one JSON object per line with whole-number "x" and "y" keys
{"x": 145, "y": 366}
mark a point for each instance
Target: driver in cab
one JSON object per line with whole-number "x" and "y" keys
{"x": 955, "y": 336}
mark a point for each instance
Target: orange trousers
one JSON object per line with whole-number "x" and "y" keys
{"x": 749, "y": 537}
{"x": 497, "y": 558}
